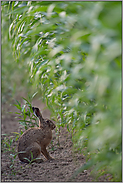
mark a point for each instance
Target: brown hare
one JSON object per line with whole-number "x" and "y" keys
{"x": 34, "y": 141}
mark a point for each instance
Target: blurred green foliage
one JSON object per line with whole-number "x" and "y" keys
{"x": 14, "y": 75}
{"x": 72, "y": 51}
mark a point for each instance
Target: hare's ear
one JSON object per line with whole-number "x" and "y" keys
{"x": 36, "y": 111}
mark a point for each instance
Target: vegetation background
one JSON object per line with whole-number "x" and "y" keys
{"x": 69, "y": 53}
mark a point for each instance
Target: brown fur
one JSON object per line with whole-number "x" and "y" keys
{"x": 36, "y": 140}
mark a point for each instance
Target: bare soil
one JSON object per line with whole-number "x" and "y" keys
{"x": 61, "y": 169}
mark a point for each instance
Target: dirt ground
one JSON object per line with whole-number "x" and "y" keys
{"x": 60, "y": 169}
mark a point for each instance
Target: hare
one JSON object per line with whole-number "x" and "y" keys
{"x": 34, "y": 141}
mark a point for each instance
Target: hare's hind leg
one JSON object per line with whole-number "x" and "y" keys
{"x": 32, "y": 153}
{"x": 45, "y": 153}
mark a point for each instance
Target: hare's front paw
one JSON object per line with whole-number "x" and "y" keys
{"x": 50, "y": 158}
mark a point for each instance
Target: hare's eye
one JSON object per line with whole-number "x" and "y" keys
{"x": 48, "y": 122}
